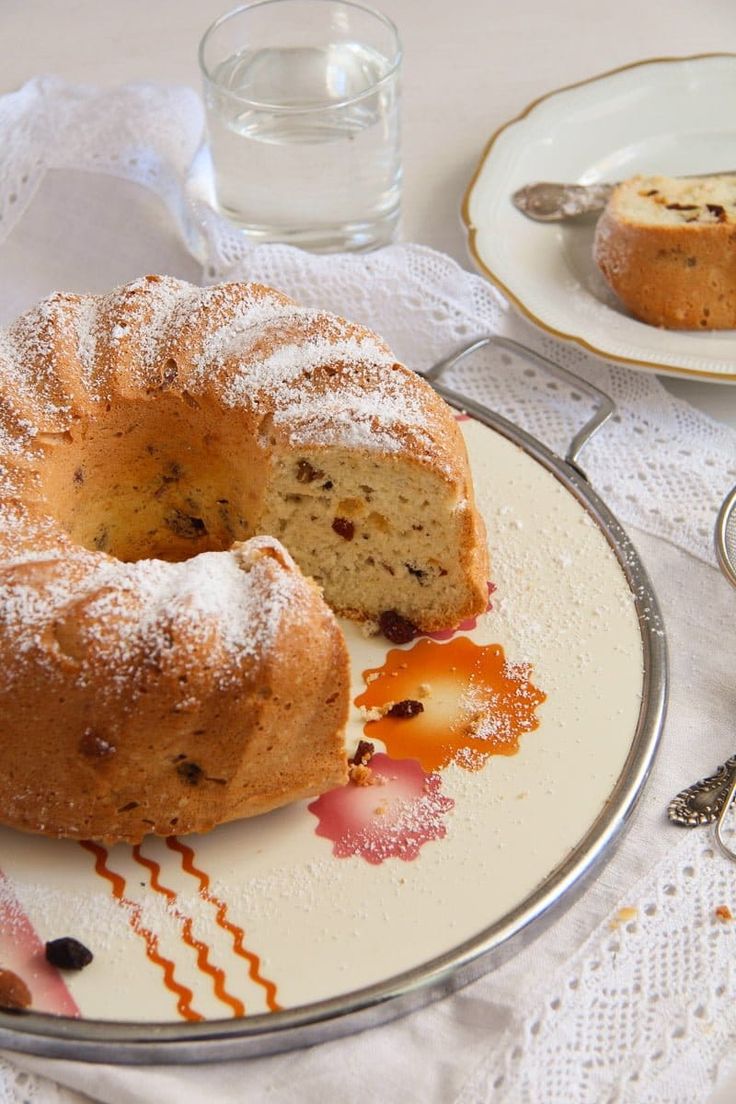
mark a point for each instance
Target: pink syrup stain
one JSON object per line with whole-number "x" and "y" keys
{"x": 22, "y": 951}
{"x": 393, "y": 818}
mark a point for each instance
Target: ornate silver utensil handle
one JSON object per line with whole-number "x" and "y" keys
{"x": 547, "y": 201}
{"x": 710, "y": 799}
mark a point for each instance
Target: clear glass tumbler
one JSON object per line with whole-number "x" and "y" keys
{"x": 302, "y": 102}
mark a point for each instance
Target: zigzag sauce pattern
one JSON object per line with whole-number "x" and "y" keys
{"x": 201, "y": 948}
{"x": 254, "y": 962}
{"x": 184, "y": 994}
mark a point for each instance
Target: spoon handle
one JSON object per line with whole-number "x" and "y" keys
{"x": 704, "y": 801}
{"x": 710, "y": 799}
{"x": 548, "y": 202}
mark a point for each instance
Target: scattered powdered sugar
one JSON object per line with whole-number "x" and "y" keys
{"x": 353, "y": 418}
{"x": 237, "y": 331}
{"x": 86, "y": 331}
{"x": 288, "y": 363}
{"x": 143, "y": 312}
{"x": 95, "y": 917}
{"x": 92, "y": 916}
{"x": 120, "y": 610}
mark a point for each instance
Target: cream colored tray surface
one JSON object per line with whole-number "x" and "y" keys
{"x": 672, "y": 116}
{"x": 331, "y": 915}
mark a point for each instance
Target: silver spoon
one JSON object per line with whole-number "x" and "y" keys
{"x": 710, "y": 799}
{"x": 546, "y": 201}
{"x": 549, "y": 202}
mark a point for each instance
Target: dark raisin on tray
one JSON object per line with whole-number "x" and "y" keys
{"x": 406, "y": 708}
{"x": 363, "y": 754}
{"x": 68, "y": 953}
{"x": 396, "y": 628}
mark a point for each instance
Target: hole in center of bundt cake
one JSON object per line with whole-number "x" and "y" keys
{"x": 168, "y": 475}
{"x": 154, "y": 478}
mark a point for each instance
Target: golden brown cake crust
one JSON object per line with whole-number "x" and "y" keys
{"x": 679, "y": 273}
{"x": 168, "y": 667}
{"x": 155, "y": 721}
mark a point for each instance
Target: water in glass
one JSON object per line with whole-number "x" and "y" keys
{"x": 305, "y": 144}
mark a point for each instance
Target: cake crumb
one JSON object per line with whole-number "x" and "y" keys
{"x": 623, "y": 916}
{"x": 361, "y": 775}
{"x": 369, "y": 628}
{"x": 373, "y": 712}
{"x": 424, "y": 690}
{"x": 724, "y": 913}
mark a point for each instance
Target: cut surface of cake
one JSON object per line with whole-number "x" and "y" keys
{"x": 161, "y": 652}
{"x": 667, "y": 248}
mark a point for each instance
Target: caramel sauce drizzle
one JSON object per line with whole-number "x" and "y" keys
{"x": 254, "y": 962}
{"x": 133, "y": 910}
{"x": 474, "y": 703}
{"x": 203, "y": 951}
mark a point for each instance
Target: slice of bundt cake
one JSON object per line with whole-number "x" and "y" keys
{"x": 667, "y": 247}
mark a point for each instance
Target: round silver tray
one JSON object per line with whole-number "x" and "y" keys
{"x": 260, "y": 1034}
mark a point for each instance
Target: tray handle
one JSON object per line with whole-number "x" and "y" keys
{"x": 603, "y": 411}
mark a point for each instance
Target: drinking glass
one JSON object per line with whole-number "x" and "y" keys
{"x": 302, "y": 101}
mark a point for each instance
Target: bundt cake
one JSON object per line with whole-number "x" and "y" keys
{"x": 667, "y": 248}
{"x": 164, "y": 664}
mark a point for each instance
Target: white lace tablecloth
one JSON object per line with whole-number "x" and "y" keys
{"x": 599, "y": 1008}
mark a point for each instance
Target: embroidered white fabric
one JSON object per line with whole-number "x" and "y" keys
{"x": 641, "y": 1013}
{"x": 19, "y": 1087}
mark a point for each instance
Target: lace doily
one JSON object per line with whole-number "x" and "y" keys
{"x": 661, "y": 466}
{"x": 619, "y": 1022}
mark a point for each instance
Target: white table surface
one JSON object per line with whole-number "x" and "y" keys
{"x": 470, "y": 65}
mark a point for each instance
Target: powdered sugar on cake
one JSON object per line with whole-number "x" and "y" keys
{"x": 270, "y": 346}
{"x": 139, "y": 607}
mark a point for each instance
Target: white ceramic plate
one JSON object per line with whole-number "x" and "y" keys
{"x": 671, "y": 116}
{"x": 290, "y": 927}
